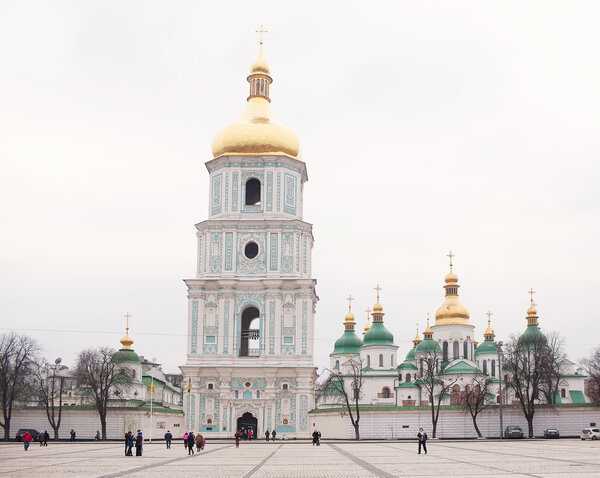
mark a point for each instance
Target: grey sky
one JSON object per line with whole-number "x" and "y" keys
{"x": 425, "y": 126}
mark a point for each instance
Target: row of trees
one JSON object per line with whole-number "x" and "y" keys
{"x": 26, "y": 377}
{"x": 531, "y": 373}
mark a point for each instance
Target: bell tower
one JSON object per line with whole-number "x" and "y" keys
{"x": 251, "y": 305}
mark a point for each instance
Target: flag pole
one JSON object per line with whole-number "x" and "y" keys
{"x": 151, "y": 397}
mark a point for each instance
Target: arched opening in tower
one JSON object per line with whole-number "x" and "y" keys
{"x": 250, "y": 333}
{"x": 252, "y": 192}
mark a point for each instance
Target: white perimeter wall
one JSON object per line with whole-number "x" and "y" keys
{"x": 86, "y": 422}
{"x": 452, "y": 423}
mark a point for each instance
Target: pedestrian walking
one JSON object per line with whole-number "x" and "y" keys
{"x": 191, "y": 439}
{"x": 97, "y": 435}
{"x": 168, "y": 438}
{"x": 199, "y": 442}
{"x": 422, "y": 436}
{"x": 40, "y": 438}
{"x": 73, "y": 435}
{"x": 46, "y": 437}
{"x": 128, "y": 443}
{"x": 316, "y": 438}
{"x": 273, "y": 433}
{"x": 267, "y": 435}
{"x": 185, "y": 435}
{"x": 27, "y": 438}
{"x": 238, "y": 435}
{"x": 139, "y": 443}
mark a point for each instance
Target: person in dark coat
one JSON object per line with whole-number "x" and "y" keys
{"x": 97, "y": 435}
{"x": 46, "y": 437}
{"x": 191, "y": 440}
{"x": 422, "y": 436}
{"x": 273, "y": 433}
{"x": 168, "y": 438}
{"x": 238, "y": 435}
{"x": 73, "y": 435}
{"x": 316, "y": 436}
{"x": 267, "y": 435}
{"x": 139, "y": 443}
{"x": 128, "y": 444}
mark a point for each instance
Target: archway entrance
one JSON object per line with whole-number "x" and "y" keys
{"x": 250, "y": 334}
{"x": 246, "y": 423}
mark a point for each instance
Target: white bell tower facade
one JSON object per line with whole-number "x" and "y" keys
{"x": 251, "y": 305}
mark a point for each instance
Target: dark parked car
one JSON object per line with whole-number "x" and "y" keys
{"x": 513, "y": 432}
{"x": 33, "y": 431}
{"x": 551, "y": 433}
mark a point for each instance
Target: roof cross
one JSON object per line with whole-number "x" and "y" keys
{"x": 350, "y": 299}
{"x": 261, "y": 31}
{"x": 450, "y": 255}
{"x": 489, "y": 314}
{"x": 378, "y": 289}
{"x": 531, "y": 292}
{"x": 368, "y": 311}
{"x": 127, "y": 316}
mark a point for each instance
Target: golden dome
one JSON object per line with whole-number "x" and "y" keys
{"x": 428, "y": 333}
{"x": 367, "y": 325}
{"x": 417, "y": 340}
{"x": 532, "y": 317}
{"x": 452, "y": 312}
{"x": 257, "y": 132}
{"x": 489, "y": 332}
{"x": 349, "y": 317}
{"x": 377, "y": 308}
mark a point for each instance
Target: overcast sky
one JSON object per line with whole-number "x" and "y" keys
{"x": 425, "y": 126}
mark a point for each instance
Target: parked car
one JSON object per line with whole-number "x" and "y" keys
{"x": 590, "y": 433}
{"x": 33, "y": 431}
{"x": 551, "y": 433}
{"x": 513, "y": 432}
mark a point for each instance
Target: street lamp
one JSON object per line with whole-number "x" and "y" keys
{"x": 499, "y": 345}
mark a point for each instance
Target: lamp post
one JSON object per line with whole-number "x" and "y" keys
{"x": 499, "y": 350}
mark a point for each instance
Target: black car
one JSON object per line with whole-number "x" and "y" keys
{"x": 551, "y": 433}
{"x": 513, "y": 432}
{"x": 33, "y": 431}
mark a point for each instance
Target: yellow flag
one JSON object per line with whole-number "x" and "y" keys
{"x": 152, "y": 386}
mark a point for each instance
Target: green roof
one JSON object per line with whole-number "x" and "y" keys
{"x": 406, "y": 365}
{"x": 348, "y": 343}
{"x": 125, "y": 355}
{"x": 532, "y": 333}
{"x": 378, "y": 335}
{"x": 411, "y": 354}
{"x": 429, "y": 345}
{"x": 461, "y": 367}
{"x": 577, "y": 396}
{"x": 486, "y": 347}
{"x": 407, "y": 385}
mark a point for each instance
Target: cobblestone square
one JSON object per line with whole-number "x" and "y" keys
{"x": 538, "y": 458}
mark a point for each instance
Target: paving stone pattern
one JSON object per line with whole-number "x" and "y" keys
{"x": 519, "y": 458}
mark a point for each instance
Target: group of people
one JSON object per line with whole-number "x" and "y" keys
{"x": 316, "y": 438}
{"x": 131, "y": 440}
{"x": 273, "y": 434}
{"x": 189, "y": 440}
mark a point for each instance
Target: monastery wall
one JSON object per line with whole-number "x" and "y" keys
{"x": 452, "y": 423}
{"x": 86, "y": 422}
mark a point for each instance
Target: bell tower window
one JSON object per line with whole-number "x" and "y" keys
{"x": 252, "y": 192}
{"x": 250, "y": 333}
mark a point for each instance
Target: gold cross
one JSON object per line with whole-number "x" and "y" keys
{"x": 378, "y": 289}
{"x": 349, "y": 299}
{"x": 427, "y": 319}
{"x": 127, "y": 317}
{"x": 417, "y": 328}
{"x": 450, "y": 255}
{"x": 531, "y": 292}
{"x": 261, "y": 31}
{"x": 368, "y": 311}
{"x": 489, "y": 314}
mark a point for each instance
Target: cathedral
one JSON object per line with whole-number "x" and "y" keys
{"x": 389, "y": 381}
{"x": 252, "y": 302}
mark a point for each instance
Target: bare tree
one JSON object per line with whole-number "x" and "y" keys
{"x": 50, "y": 387}
{"x": 17, "y": 364}
{"x": 529, "y": 361}
{"x": 432, "y": 382}
{"x": 101, "y": 378}
{"x": 551, "y": 368}
{"x": 476, "y": 397}
{"x": 592, "y": 367}
{"x": 346, "y": 384}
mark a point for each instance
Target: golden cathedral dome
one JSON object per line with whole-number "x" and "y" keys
{"x": 452, "y": 312}
{"x": 257, "y": 132}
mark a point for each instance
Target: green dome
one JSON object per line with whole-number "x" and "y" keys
{"x": 410, "y": 355}
{"x": 348, "y": 343}
{"x": 532, "y": 334}
{"x": 378, "y": 335}
{"x": 429, "y": 345}
{"x": 406, "y": 365}
{"x": 486, "y": 347}
{"x": 125, "y": 355}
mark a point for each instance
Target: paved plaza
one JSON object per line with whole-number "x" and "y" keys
{"x": 538, "y": 458}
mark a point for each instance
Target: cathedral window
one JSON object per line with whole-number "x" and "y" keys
{"x": 250, "y": 333}
{"x": 392, "y": 361}
{"x": 337, "y": 364}
{"x": 493, "y": 368}
{"x": 247, "y": 384}
{"x": 381, "y": 360}
{"x": 285, "y": 386}
{"x": 445, "y": 348}
{"x": 485, "y": 367}
{"x": 385, "y": 392}
{"x": 236, "y": 394}
{"x": 408, "y": 378}
{"x": 251, "y": 250}
{"x": 211, "y": 386}
{"x": 563, "y": 393}
{"x": 466, "y": 350}
{"x": 257, "y": 394}
{"x": 368, "y": 360}
{"x": 455, "y": 350}
{"x": 252, "y": 192}
{"x": 399, "y": 377}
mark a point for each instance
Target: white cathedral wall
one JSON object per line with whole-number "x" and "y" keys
{"x": 404, "y": 424}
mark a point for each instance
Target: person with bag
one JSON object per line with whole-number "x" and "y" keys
{"x": 422, "y": 436}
